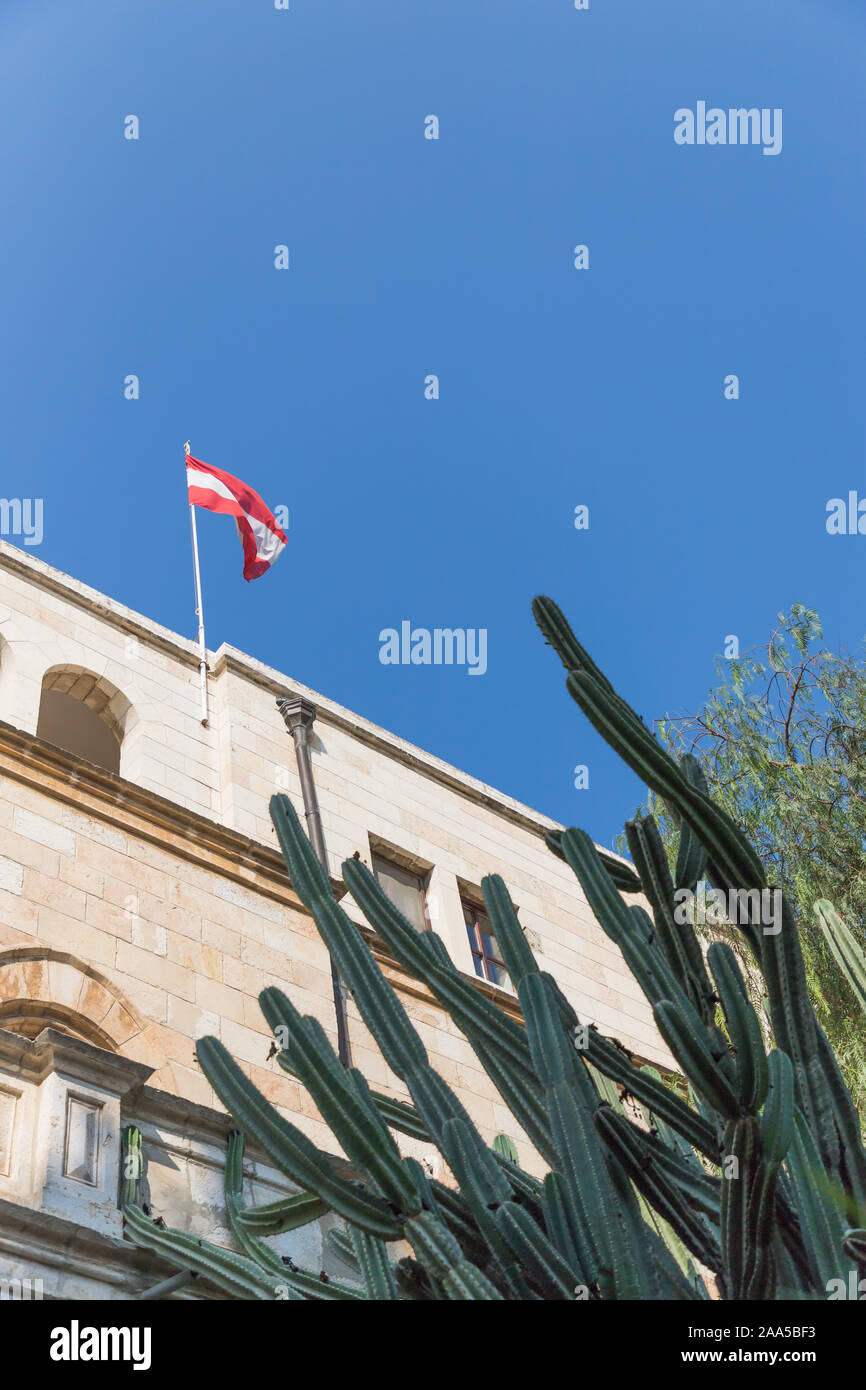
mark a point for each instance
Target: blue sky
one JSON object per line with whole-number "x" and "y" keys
{"x": 410, "y": 257}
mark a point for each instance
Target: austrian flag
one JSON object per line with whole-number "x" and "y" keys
{"x": 216, "y": 491}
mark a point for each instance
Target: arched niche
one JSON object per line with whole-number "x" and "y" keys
{"x": 84, "y": 714}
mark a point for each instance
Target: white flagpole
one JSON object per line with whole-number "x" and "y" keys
{"x": 202, "y": 666}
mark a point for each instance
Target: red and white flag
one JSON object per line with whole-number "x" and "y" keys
{"x": 217, "y": 491}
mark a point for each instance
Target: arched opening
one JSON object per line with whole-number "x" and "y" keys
{"x": 7, "y": 683}
{"x": 84, "y": 714}
{"x": 28, "y": 1017}
{"x": 41, "y": 987}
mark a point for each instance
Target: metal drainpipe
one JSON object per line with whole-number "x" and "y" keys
{"x": 177, "y": 1281}
{"x": 299, "y": 716}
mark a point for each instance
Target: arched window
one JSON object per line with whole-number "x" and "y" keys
{"x": 84, "y": 714}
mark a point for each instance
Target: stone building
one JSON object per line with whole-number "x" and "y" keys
{"x": 143, "y": 904}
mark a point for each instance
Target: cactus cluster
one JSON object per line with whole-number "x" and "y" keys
{"x": 752, "y": 1175}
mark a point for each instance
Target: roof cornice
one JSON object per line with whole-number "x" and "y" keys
{"x": 278, "y": 685}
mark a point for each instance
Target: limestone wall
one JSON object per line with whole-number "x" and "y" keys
{"x": 152, "y": 907}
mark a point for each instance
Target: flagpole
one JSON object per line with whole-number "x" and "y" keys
{"x": 202, "y": 666}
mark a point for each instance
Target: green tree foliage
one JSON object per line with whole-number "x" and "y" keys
{"x": 782, "y": 744}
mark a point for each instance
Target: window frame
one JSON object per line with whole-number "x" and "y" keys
{"x": 475, "y": 937}
{"x": 422, "y": 878}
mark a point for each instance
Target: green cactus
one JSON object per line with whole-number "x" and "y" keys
{"x": 505, "y": 1148}
{"x": 743, "y": 1179}
{"x": 848, "y": 954}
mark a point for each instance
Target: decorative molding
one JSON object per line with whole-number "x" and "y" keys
{"x": 34, "y": 1059}
{"x": 189, "y": 834}
{"x": 41, "y": 1240}
{"x": 28, "y": 994}
{"x": 81, "y": 1147}
{"x": 229, "y": 658}
{"x": 145, "y": 815}
{"x": 70, "y": 590}
{"x": 184, "y": 1125}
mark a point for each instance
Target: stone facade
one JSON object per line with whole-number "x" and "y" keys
{"x": 143, "y": 904}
